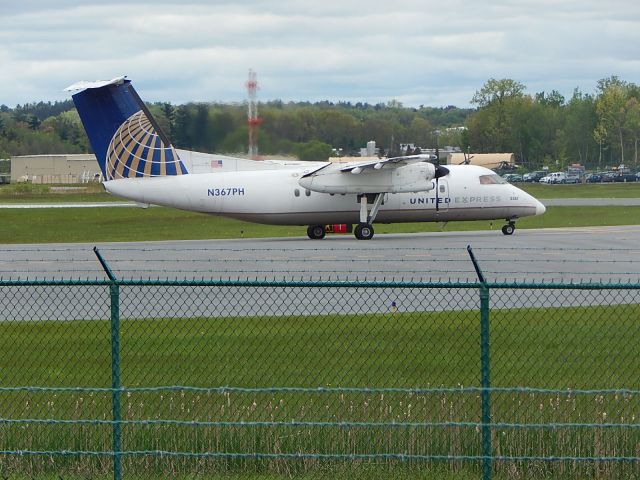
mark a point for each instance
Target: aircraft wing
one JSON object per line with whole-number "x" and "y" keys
{"x": 395, "y": 161}
{"x": 413, "y": 173}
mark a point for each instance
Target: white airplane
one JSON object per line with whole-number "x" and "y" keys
{"x": 139, "y": 163}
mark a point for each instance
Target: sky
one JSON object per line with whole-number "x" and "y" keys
{"x": 418, "y": 52}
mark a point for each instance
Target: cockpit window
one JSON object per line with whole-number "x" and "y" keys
{"x": 493, "y": 179}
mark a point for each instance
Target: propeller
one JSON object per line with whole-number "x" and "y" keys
{"x": 440, "y": 172}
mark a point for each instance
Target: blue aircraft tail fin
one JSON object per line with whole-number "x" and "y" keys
{"x": 125, "y": 137}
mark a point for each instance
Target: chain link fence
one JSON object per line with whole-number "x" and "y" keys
{"x": 157, "y": 377}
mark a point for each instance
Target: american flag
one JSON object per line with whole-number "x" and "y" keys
{"x": 216, "y": 163}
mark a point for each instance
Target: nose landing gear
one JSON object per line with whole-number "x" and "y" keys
{"x": 509, "y": 228}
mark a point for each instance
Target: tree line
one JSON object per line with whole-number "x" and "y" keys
{"x": 596, "y": 130}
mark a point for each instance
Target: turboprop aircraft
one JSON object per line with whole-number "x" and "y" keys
{"x": 139, "y": 163}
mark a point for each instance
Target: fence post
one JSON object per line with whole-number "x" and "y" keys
{"x": 115, "y": 380}
{"x": 485, "y": 370}
{"x": 116, "y": 430}
{"x": 485, "y": 379}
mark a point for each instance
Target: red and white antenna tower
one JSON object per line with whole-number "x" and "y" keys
{"x": 252, "y": 114}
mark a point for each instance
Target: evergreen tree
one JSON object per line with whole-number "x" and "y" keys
{"x": 169, "y": 114}
{"x": 181, "y": 135}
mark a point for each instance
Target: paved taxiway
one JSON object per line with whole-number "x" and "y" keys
{"x": 557, "y": 254}
{"x": 606, "y": 254}
{"x": 577, "y": 254}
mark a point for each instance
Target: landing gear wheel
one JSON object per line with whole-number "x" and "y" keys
{"x": 509, "y": 228}
{"x": 316, "y": 232}
{"x": 364, "y": 231}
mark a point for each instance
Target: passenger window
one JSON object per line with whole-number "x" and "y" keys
{"x": 307, "y": 193}
{"x": 442, "y": 189}
{"x": 296, "y": 192}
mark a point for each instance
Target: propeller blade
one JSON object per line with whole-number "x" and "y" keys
{"x": 441, "y": 171}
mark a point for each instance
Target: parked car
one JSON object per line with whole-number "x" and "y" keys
{"x": 624, "y": 177}
{"x": 533, "y": 176}
{"x": 572, "y": 179}
{"x": 512, "y": 177}
{"x": 593, "y": 177}
{"x": 555, "y": 177}
{"x": 609, "y": 177}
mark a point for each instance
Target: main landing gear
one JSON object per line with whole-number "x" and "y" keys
{"x": 509, "y": 228}
{"x": 364, "y": 229}
{"x": 316, "y": 232}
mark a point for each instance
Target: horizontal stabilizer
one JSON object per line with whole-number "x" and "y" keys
{"x": 82, "y": 85}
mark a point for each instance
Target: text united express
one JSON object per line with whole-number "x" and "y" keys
{"x": 471, "y": 199}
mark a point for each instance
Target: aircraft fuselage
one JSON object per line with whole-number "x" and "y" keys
{"x": 276, "y": 197}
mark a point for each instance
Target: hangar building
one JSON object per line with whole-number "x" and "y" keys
{"x": 83, "y": 168}
{"x": 64, "y": 168}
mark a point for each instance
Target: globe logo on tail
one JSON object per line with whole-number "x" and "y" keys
{"x": 136, "y": 150}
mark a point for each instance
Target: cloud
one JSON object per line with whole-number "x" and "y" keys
{"x": 416, "y": 51}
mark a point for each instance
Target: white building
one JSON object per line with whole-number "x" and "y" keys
{"x": 63, "y": 168}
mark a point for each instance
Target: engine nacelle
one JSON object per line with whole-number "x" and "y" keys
{"x": 415, "y": 177}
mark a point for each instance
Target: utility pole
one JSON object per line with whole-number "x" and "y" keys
{"x": 252, "y": 114}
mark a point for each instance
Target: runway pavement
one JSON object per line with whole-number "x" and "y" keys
{"x": 29, "y": 206}
{"x": 597, "y": 254}
{"x": 558, "y": 254}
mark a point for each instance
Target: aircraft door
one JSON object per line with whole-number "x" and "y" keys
{"x": 443, "y": 195}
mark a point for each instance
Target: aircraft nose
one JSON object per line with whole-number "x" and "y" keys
{"x": 540, "y": 208}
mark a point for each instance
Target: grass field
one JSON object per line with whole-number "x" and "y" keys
{"x": 556, "y": 348}
{"x": 29, "y": 193}
{"x": 589, "y": 190}
{"x": 349, "y": 472}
